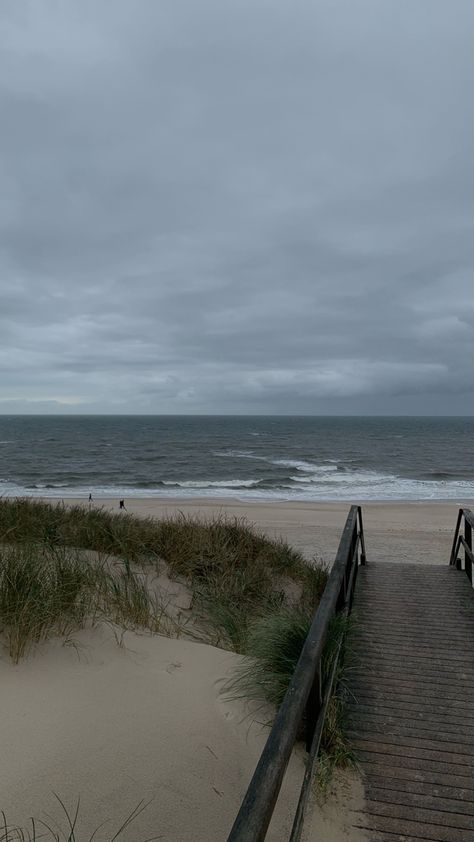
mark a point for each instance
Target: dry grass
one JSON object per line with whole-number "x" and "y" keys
{"x": 46, "y": 591}
{"x": 66, "y": 828}
{"x": 49, "y": 586}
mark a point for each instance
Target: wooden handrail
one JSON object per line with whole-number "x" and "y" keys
{"x": 257, "y": 807}
{"x": 465, "y": 518}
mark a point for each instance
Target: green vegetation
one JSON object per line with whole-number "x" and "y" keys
{"x": 50, "y": 585}
{"x": 63, "y": 567}
{"x": 335, "y": 751}
{"x": 273, "y": 647}
{"x": 46, "y": 592}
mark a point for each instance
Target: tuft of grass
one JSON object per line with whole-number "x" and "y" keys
{"x": 236, "y": 573}
{"x": 47, "y": 591}
{"x": 40, "y": 590}
{"x": 68, "y": 830}
{"x": 190, "y": 546}
{"x": 335, "y": 751}
{"x": 272, "y": 647}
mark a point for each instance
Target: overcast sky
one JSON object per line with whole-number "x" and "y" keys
{"x": 241, "y": 206}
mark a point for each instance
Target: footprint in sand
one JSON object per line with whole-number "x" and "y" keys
{"x": 173, "y": 666}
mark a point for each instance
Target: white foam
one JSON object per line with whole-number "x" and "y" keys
{"x": 229, "y": 483}
{"x": 323, "y": 483}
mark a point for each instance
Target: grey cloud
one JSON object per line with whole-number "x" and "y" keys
{"x": 249, "y": 207}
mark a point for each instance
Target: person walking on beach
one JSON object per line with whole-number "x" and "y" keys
{"x": 90, "y": 498}
{"x": 122, "y": 504}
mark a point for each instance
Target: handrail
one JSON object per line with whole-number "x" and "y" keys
{"x": 466, "y": 518}
{"x": 304, "y": 693}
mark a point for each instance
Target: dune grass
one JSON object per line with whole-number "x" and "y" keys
{"x": 250, "y": 594}
{"x": 48, "y": 585}
{"x": 48, "y": 591}
{"x": 66, "y": 828}
{"x": 272, "y": 647}
{"x": 189, "y": 545}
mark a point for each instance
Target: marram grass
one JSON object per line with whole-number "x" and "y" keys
{"x": 272, "y": 649}
{"x": 50, "y": 829}
{"x": 48, "y": 591}
{"x": 47, "y": 585}
{"x": 250, "y": 594}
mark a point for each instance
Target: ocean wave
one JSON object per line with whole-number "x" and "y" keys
{"x": 297, "y": 464}
{"x": 225, "y": 483}
{"x": 301, "y": 465}
{"x": 350, "y": 486}
{"x": 236, "y": 454}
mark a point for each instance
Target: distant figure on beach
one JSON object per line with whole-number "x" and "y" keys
{"x": 90, "y": 498}
{"x": 122, "y": 504}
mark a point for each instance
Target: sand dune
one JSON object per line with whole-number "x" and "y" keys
{"x": 146, "y": 721}
{"x": 115, "y": 725}
{"x": 400, "y": 531}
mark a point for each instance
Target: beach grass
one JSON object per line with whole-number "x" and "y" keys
{"x": 63, "y": 568}
{"x": 49, "y": 585}
{"x": 66, "y": 828}
{"x": 272, "y": 649}
{"x": 50, "y": 591}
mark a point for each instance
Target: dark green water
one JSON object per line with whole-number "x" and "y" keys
{"x": 246, "y": 457}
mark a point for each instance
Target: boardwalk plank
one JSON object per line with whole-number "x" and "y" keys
{"x": 378, "y": 773}
{"x": 411, "y": 702}
{"x": 421, "y": 787}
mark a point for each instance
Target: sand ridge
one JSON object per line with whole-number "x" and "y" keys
{"x": 115, "y": 725}
{"x": 398, "y": 531}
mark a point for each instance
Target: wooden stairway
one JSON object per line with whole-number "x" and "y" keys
{"x": 411, "y": 702}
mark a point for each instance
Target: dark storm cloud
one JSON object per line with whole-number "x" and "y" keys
{"x": 236, "y": 206}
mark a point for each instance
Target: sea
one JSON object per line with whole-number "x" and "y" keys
{"x": 241, "y": 457}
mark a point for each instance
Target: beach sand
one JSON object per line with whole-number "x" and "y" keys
{"x": 419, "y": 532}
{"x": 145, "y": 720}
{"x": 119, "y": 724}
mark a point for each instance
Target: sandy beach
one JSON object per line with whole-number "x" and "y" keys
{"x": 115, "y": 725}
{"x": 400, "y": 531}
{"x": 145, "y": 720}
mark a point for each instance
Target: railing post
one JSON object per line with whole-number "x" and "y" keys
{"x": 454, "y": 551}
{"x": 313, "y": 706}
{"x": 468, "y": 539}
{"x": 363, "y": 557}
{"x": 464, "y": 560}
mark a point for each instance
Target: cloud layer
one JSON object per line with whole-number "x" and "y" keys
{"x": 246, "y": 206}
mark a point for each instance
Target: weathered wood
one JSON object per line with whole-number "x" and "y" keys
{"x": 421, "y": 800}
{"x": 407, "y": 700}
{"x": 378, "y": 774}
{"x": 466, "y": 519}
{"x": 253, "y": 818}
{"x": 444, "y": 727}
{"x": 411, "y": 703}
{"x": 412, "y": 713}
{"x": 418, "y": 787}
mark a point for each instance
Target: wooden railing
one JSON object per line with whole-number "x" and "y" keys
{"x": 464, "y": 542}
{"x": 308, "y": 694}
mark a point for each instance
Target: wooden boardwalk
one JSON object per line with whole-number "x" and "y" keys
{"x": 411, "y": 711}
